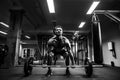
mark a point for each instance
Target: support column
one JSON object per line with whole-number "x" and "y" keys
{"x": 97, "y": 43}
{"x": 14, "y": 36}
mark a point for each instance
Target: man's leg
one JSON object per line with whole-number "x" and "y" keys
{"x": 67, "y": 62}
{"x": 49, "y": 62}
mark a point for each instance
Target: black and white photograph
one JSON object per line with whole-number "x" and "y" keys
{"x": 59, "y": 39}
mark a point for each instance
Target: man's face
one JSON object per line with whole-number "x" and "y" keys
{"x": 58, "y": 31}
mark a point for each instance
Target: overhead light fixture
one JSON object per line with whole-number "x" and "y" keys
{"x": 82, "y": 24}
{"x": 3, "y": 32}
{"x": 4, "y": 24}
{"x": 27, "y": 37}
{"x": 51, "y": 6}
{"x": 93, "y": 6}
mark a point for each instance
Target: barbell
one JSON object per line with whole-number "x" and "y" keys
{"x": 28, "y": 66}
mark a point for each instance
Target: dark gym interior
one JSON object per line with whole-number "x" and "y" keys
{"x": 27, "y": 25}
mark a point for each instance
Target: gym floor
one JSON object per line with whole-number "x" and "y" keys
{"x": 101, "y": 73}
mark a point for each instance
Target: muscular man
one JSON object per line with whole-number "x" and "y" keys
{"x": 59, "y": 45}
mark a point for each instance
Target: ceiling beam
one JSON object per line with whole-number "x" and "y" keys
{"x": 109, "y": 14}
{"x": 103, "y": 11}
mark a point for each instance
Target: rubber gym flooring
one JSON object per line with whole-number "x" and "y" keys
{"x": 100, "y": 73}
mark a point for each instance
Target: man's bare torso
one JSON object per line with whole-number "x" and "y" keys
{"x": 59, "y": 44}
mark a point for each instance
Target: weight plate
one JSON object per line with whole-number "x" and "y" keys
{"x": 89, "y": 70}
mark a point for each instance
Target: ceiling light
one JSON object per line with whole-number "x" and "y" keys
{"x": 81, "y": 24}
{"x": 93, "y": 6}
{"x": 4, "y": 24}
{"x": 51, "y": 6}
{"x": 27, "y": 37}
{"x": 3, "y": 32}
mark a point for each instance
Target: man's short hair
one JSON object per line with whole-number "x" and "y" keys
{"x": 58, "y": 26}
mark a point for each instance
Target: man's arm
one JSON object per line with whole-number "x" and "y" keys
{"x": 50, "y": 45}
{"x": 49, "y": 53}
{"x": 68, "y": 45}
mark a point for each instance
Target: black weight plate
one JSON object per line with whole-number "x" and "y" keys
{"x": 89, "y": 69}
{"x": 26, "y": 69}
